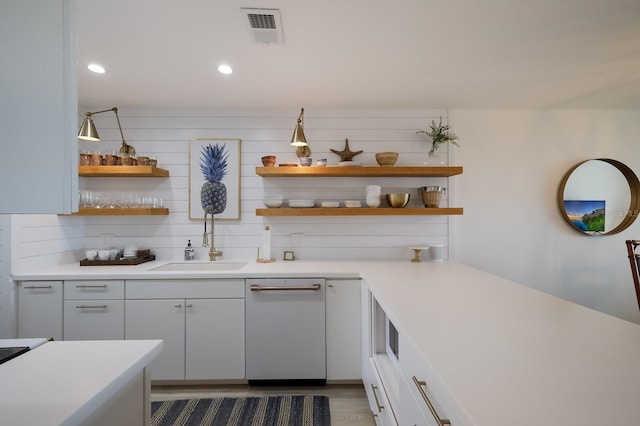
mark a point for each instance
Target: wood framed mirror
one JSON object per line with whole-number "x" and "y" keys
{"x": 599, "y": 197}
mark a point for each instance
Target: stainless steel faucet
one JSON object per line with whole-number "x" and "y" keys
{"x": 213, "y": 253}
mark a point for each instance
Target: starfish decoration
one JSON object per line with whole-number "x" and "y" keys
{"x": 346, "y": 154}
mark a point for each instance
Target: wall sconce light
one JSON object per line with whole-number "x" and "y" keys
{"x": 88, "y": 131}
{"x": 298, "y": 139}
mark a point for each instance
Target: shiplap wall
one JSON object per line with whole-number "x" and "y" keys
{"x": 41, "y": 240}
{"x": 165, "y": 135}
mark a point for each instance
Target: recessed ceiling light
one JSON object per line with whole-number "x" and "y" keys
{"x": 225, "y": 69}
{"x": 96, "y": 68}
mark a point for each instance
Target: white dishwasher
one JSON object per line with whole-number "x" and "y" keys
{"x": 285, "y": 336}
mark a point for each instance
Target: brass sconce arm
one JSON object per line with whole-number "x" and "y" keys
{"x": 88, "y": 131}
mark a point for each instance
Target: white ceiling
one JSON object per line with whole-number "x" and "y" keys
{"x": 362, "y": 54}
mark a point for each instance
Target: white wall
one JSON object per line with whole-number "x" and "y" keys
{"x": 41, "y": 240}
{"x": 165, "y": 135}
{"x": 513, "y": 163}
{"x": 6, "y": 297}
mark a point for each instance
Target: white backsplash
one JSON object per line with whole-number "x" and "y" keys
{"x": 165, "y": 135}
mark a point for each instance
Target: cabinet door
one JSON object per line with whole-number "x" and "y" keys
{"x": 40, "y": 309}
{"x": 38, "y": 168}
{"x": 215, "y": 347}
{"x": 344, "y": 330}
{"x": 378, "y": 400}
{"x": 94, "y": 319}
{"x": 429, "y": 395}
{"x": 368, "y": 378}
{"x": 159, "y": 319}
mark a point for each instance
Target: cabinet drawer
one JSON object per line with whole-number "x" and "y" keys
{"x": 185, "y": 289}
{"x": 94, "y": 319}
{"x": 93, "y": 289}
{"x": 427, "y": 391}
{"x": 39, "y": 308}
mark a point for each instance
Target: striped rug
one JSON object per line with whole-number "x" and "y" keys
{"x": 288, "y": 410}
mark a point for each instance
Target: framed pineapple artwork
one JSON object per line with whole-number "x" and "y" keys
{"x": 214, "y": 178}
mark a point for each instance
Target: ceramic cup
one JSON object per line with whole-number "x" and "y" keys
{"x": 305, "y": 161}
{"x": 436, "y": 253}
{"x": 373, "y": 200}
{"x": 91, "y": 254}
{"x": 113, "y": 254}
{"x": 104, "y": 254}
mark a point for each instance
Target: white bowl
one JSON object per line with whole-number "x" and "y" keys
{"x": 272, "y": 201}
{"x": 104, "y": 254}
{"x": 302, "y": 203}
{"x": 352, "y": 203}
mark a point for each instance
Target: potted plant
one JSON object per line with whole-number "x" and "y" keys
{"x": 439, "y": 134}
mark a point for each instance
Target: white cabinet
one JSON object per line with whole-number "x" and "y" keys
{"x": 94, "y": 310}
{"x": 344, "y": 330}
{"x": 40, "y": 309}
{"x": 401, "y": 387}
{"x": 214, "y": 340}
{"x": 202, "y": 323}
{"x": 159, "y": 319}
{"x": 376, "y": 392}
{"x": 38, "y": 110}
{"x": 424, "y": 397}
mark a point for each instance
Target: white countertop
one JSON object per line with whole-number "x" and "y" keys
{"x": 509, "y": 355}
{"x": 63, "y": 383}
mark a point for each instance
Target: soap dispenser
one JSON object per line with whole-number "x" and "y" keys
{"x": 189, "y": 252}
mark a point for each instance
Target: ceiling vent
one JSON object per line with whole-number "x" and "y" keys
{"x": 265, "y": 25}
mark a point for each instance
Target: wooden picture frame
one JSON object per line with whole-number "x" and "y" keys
{"x": 231, "y": 180}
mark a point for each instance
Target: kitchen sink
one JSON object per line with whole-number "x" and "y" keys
{"x": 200, "y": 266}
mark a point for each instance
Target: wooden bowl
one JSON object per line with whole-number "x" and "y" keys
{"x": 269, "y": 160}
{"x": 386, "y": 158}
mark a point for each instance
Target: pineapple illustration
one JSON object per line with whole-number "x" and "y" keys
{"x": 213, "y": 163}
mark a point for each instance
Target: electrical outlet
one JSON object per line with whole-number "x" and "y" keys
{"x": 297, "y": 239}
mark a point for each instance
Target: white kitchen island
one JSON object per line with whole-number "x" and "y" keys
{"x": 78, "y": 383}
{"x": 497, "y": 353}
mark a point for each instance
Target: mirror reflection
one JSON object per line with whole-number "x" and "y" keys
{"x": 599, "y": 197}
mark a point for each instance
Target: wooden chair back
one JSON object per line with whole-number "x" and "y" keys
{"x": 634, "y": 262}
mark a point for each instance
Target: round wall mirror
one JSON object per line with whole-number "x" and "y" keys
{"x": 599, "y": 197}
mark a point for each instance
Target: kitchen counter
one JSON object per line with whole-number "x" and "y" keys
{"x": 70, "y": 383}
{"x": 507, "y": 354}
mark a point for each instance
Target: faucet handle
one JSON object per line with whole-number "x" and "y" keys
{"x": 213, "y": 253}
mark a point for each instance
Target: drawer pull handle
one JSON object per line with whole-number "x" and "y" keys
{"x": 91, "y": 286}
{"x": 188, "y": 306}
{"x": 179, "y": 305}
{"x": 421, "y": 384}
{"x": 313, "y": 287}
{"x": 375, "y": 396}
{"x": 37, "y": 287}
{"x": 91, "y": 306}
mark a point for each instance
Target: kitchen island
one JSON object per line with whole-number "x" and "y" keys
{"x": 503, "y": 354}
{"x": 78, "y": 383}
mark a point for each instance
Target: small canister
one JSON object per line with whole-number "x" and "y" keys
{"x": 431, "y": 195}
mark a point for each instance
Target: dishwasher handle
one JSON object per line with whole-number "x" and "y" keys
{"x": 312, "y": 287}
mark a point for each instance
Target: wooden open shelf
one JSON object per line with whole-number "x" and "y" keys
{"x": 121, "y": 211}
{"x": 360, "y": 171}
{"x": 361, "y": 211}
{"x": 122, "y": 171}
